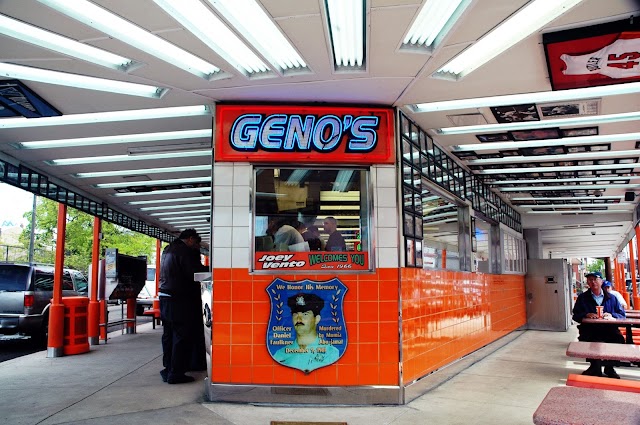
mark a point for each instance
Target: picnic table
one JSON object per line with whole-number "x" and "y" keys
{"x": 587, "y": 406}
{"x": 604, "y": 351}
{"x": 626, "y": 322}
{"x": 633, "y": 314}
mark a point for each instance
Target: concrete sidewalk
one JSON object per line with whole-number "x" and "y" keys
{"x": 119, "y": 383}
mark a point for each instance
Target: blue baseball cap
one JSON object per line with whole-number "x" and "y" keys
{"x": 606, "y": 283}
{"x": 595, "y": 274}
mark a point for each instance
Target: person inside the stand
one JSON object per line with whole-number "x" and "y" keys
{"x": 177, "y": 293}
{"x": 336, "y": 241}
{"x": 608, "y": 287}
{"x": 286, "y": 234}
{"x": 312, "y": 235}
{"x": 308, "y": 352}
{"x": 585, "y": 308}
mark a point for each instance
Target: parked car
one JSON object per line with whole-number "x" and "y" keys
{"x": 26, "y": 291}
{"x": 148, "y": 292}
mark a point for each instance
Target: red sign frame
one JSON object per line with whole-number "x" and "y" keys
{"x": 314, "y": 261}
{"x": 230, "y": 119}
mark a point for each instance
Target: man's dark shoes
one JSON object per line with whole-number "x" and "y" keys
{"x": 593, "y": 371}
{"x": 165, "y": 374}
{"x": 611, "y": 373}
{"x": 180, "y": 379}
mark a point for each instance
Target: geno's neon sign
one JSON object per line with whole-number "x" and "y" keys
{"x": 318, "y": 134}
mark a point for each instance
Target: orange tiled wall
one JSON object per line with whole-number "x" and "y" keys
{"x": 241, "y": 313}
{"x": 447, "y": 314}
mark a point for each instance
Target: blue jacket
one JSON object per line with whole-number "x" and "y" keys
{"x": 586, "y": 304}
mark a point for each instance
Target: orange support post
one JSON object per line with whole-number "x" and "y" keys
{"x": 103, "y": 320}
{"x": 56, "y": 311}
{"x": 634, "y": 284}
{"x": 131, "y": 316}
{"x": 622, "y": 288}
{"x": 156, "y": 300}
{"x": 444, "y": 258}
{"x": 94, "y": 305}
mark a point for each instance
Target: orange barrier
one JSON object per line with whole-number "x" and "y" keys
{"x": 76, "y": 320}
{"x": 603, "y": 383}
{"x": 155, "y": 313}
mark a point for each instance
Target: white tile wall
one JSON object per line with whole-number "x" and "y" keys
{"x": 223, "y": 216}
{"x": 223, "y": 174}
{"x": 221, "y": 258}
{"x": 386, "y": 216}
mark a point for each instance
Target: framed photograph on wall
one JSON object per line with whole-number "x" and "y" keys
{"x": 568, "y": 109}
{"x": 496, "y": 137}
{"x": 574, "y": 132}
{"x": 596, "y": 55}
{"x": 538, "y": 134}
{"x": 515, "y": 113}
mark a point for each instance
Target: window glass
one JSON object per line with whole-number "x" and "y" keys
{"x": 481, "y": 243}
{"x": 13, "y": 278}
{"x": 82, "y": 285}
{"x": 440, "y": 232}
{"x": 67, "y": 283}
{"x": 311, "y": 210}
{"x": 43, "y": 281}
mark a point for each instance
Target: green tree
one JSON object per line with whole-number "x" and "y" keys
{"x": 596, "y": 266}
{"x": 79, "y": 236}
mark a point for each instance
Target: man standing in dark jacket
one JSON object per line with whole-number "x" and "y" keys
{"x": 585, "y": 307}
{"x": 180, "y": 260}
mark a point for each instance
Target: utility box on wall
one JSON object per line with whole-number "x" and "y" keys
{"x": 548, "y": 295}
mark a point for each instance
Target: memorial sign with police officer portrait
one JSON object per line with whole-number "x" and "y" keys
{"x": 306, "y": 326}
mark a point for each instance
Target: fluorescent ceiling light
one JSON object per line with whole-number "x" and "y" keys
{"x": 565, "y": 198}
{"x": 578, "y": 179}
{"x": 185, "y": 213}
{"x": 297, "y": 177}
{"x": 162, "y": 214}
{"x": 173, "y": 147}
{"x": 435, "y": 20}
{"x": 122, "y": 158}
{"x": 102, "y": 20}
{"x": 173, "y": 207}
{"x": 22, "y": 72}
{"x": 611, "y": 207}
{"x": 342, "y": 180}
{"x": 198, "y": 19}
{"x": 535, "y": 97}
{"x": 152, "y": 182}
{"x": 560, "y": 168}
{"x": 563, "y": 157}
{"x": 567, "y": 187}
{"x": 141, "y": 171}
{"x": 580, "y": 212}
{"x": 560, "y": 122}
{"x": 168, "y": 201}
{"x": 112, "y": 140}
{"x": 112, "y": 116}
{"x": 52, "y": 41}
{"x": 346, "y": 29}
{"x": 567, "y": 141}
{"x": 197, "y": 220}
{"x": 162, "y": 192}
{"x": 251, "y": 21}
{"x": 535, "y": 15}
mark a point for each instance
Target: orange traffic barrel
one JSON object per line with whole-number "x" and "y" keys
{"x": 76, "y": 321}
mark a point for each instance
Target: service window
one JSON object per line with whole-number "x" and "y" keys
{"x": 311, "y": 219}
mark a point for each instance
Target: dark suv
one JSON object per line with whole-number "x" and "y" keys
{"x": 26, "y": 291}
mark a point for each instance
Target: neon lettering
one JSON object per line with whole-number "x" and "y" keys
{"x": 296, "y": 133}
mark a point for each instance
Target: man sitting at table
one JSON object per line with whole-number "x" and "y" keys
{"x": 585, "y": 307}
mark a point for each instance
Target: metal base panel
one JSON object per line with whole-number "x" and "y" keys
{"x": 303, "y": 395}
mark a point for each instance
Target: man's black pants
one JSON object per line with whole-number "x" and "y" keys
{"x": 176, "y": 337}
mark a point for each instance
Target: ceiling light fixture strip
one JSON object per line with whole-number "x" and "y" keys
{"x": 202, "y": 23}
{"x": 346, "y": 29}
{"x": 40, "y": 75}
{"x": 161, "y": 192}
{"x": 173, "y": 207}
{"x": 561, "y": 122}
{"x": 582, "y": 156}
{"x": 579, "y": 179}
{"x": 559, "y": 168}
{"x": 112, "y": 116}
{"x": 252, "y": 22}
{"x": 534, "y": 97}
{"x": 122, "y": 158}
{"x": 109, "y": 23}
{"x": 535, "y": 15}
{"x": 152, "y": 182}
{"x": 567, "y": 187}
{"x": 566, "y": 141}
{"x": 111, "y": 140}
{"x": 48, "y": 40}
{"x": 167, "y": 201}
{"x": 433, "y": 23}
{"x": 142, "y": 171}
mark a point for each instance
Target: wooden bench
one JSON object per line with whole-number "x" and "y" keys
{"x": 582, "y": 406}
{"x": 156, "y": 315}
{"x": 602, "y": 383}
